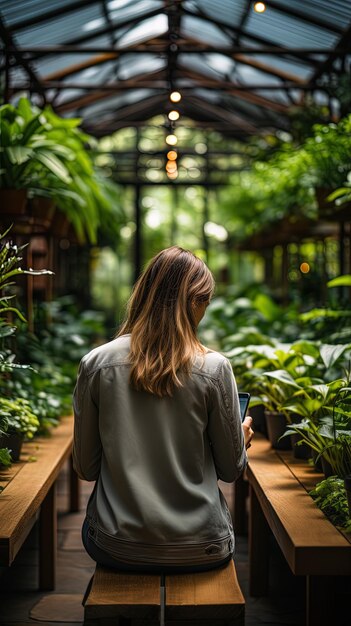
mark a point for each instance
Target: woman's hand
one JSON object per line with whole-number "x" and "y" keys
{"x": 248, "y": 432}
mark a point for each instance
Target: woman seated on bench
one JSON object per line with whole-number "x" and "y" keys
{"x": 157, "y": 423}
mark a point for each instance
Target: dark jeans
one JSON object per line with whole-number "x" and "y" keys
{"x": 105, "y": 559}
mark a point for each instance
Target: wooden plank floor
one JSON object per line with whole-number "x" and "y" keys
{"x": 21, "y": 602}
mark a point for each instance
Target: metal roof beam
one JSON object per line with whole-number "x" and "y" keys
{"x": 214, "y": 111}
{"x": 145, "y": 83}
{"x": 244, "y": 18}
{"x": 79, "y": 67}
{"x": 266, "y": 69}
{"x": 253, "y": 98}
{"x": 101, "y": 94}
{"x": 10, "y": 45}
{"x": 147, "y": 106}
{"x": 112, "y": 127}
{"x": 229, "y": 27}
{"x": 106, "y": 31}
{"x": 189, "y": 46}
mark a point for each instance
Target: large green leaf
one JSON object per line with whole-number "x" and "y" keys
{"x": 283, "y": 377}
{"x": 31, "y": 128}
{"x": 330, "y": 353}
{"x": 340, "y": 281}
{"x": 19, "y": 154}
{"x": 52, "y": 163}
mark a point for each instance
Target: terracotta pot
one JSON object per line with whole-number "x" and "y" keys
{"x": 12, "y": 441}
{"x": 13, "y": 201}
{"x": 276, "y": 426}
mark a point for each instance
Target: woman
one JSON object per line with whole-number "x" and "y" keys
{"x": 157, "y": 423}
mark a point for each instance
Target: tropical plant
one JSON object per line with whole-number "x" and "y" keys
{"x": 10, "y": 257}
{"x": 16, "y": 412}
{"x": 5, "y": 459}
{"x": 328, "y": 154}
{"x": 18, "y": 417}
{"x": 342, "y": 194}
{"x": 47, "y": 155}
{"x": 330, "y": 497}
{"x": 54, "y": 352}
{"x": 27, "y": 153}
{"x": 326, "y": 427}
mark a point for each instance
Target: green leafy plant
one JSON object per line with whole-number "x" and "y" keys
{"x": 5, "y": 459}
{"x": 16, "y": 412}
{"x": 328, "y": 154}
{"x": 47, "y": 155}
{"x": 27, "y": 152}
{"x": 330, "y": 497}
{"x": 10, "y": 257}
{"x": 19, "y": 417}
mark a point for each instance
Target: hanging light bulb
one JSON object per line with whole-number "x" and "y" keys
{"x": 172, "y": 155}
{"x": 171, "y": 140}
{"x": 175, "y": 96}
{"x": 259, "y": 7}
{"x": 171, "y": 166}
{"x": 173, "y": 115}
{"x": 305, "y": 267}
{"x": 172, "y": 175}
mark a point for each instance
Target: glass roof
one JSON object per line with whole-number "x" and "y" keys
{"x": 114, "y": 62}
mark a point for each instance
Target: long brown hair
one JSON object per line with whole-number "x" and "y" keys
{"x": 160, "y": 319}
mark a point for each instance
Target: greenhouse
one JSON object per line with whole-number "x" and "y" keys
{"x": 175, "y": 320}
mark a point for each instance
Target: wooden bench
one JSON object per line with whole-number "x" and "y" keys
{"x": 29, "y": 494}
{"x": 312, "y": 546}
{"x": 211, "y": 598}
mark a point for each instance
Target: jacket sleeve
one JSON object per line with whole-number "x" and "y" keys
{"x": 87, "y": 444}
{"x": 225, "y": 427}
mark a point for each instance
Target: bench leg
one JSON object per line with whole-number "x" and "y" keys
{"x": 259, "y": 535}
{"x": 320, "y": 600}
{"x": 73, "y": 488}
{"x": 48, "y": 541}
{"x": 162, "y": 599}
{"x": 239, "y": 513}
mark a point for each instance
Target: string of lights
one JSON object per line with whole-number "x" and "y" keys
{"x": 171, "y": 139}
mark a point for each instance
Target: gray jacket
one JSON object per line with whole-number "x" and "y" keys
{"x": 156, "y": 461}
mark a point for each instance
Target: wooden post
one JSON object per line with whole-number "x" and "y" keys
{"x": 239, "y": 514}
{"x": 259, "y": 535}
{"x": 138, "y": 235}
{"x": 174, "y": 216}
{"x": 320, "y": 593}
{"x": 206, "y": 217}
{"x": 48, "y": 541}
{"x": 341, "y": 255}
{"x": 74, "y": 488}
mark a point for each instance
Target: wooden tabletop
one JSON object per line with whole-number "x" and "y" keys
{"x": 26, "y": 484}
{"x": 311, "y": 544}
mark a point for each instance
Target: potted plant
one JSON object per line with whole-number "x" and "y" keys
{"x": 331, "y": 497}
{"x": 26, "y": 154}
{"x": 45, "y": 156}
{"x": 20, "y": 424}
{"x": 326, "y": 427}
{"x": 17, "y": 418}
{"x": 328, "y": 161}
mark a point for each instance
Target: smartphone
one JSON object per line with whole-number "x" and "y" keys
{"x": 244, "y": 399}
